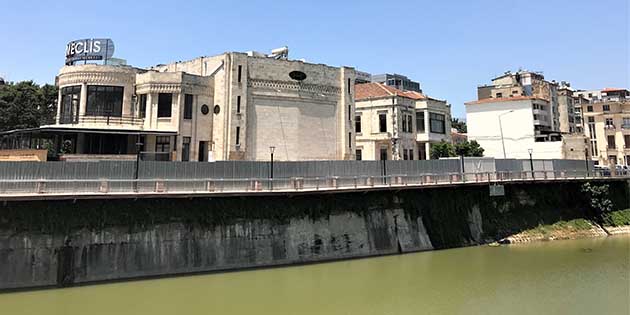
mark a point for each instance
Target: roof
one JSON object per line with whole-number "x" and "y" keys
{"x": 377, "y": 90}
{"x": 612, "y": 90}
{"x": 504, "y": 99}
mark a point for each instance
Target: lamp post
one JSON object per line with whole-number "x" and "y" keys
{"x": 138, "y": 147}
{"x": 271, "y": 150}
{"x": 501, "y": 131}
{"x": 586, "y": 159}
{"x": 531, "y": 161}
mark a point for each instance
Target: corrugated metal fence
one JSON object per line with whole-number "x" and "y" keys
{"x": 253, "y": 169}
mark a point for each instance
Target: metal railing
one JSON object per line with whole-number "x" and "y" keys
{"x": 101, "y": 118}
{"x": 77, "y": 187}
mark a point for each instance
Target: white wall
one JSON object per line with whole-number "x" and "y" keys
{"x": 518, "y": 128}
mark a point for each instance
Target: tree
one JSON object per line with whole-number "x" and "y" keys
{"x": 26, "y": 105}
{"x": 466, "y": 148}
{"x": 469, "y": 148}
{"x": 460, "y": 125}
{"x": 442, "y": 149}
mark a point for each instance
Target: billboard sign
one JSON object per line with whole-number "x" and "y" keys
{"x": 89, "y": 49}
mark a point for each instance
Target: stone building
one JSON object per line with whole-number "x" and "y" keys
{"x": 234, "y": 106}
{"x": 304, "y": 110}
{"x": 607, "y": 124}
{"x": 398, "y": 125}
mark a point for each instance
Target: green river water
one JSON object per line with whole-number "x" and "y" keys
{"x": 562, "y": 277}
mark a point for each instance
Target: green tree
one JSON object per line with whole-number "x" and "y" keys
{"x": 469, "y": 148}
{"x": 460, "y": 125}
{"x": 442, "y": 149}
{"x": 26, "y": 105}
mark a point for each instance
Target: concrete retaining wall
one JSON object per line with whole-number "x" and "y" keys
{"x": 61, "y": 243}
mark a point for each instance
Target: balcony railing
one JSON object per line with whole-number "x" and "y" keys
{"x": 102, "y": 119}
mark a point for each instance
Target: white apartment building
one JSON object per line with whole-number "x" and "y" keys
{"x": 511, "y": 127}
{"x": 399, "y": 125}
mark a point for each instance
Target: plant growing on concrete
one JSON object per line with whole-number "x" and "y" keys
{"x": 600, "y": 204}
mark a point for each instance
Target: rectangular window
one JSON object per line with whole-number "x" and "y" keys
{"x": 238, "y": 104}
{"x": 499, "y": 95}
{"x": 188, "y": 106}
{"x": 420, "y": 122}
{"x": 165, "y": 103}
{"x": 349, "y": 87}
{"x": 383, "y": 154}
{"x": 349, "y": 139}
{"x": 591, "y": 119}
{"x": 609, "y": 123}
{"x": 240, "y": 70}
{"x": 238, "y": 135}
{"x": 404, "y": 123}
{"x": 350, "y": 112}
{"x": 411, "y": 154}
{"x": 382, "y": 122}
{"x": 143, "y": 106}
{"x": 606, "y": 108}
{"x": 589, "y": 108}
{"x": 186, "y": 149}
{"x": 202, "y": 155}
{"x": 437, "y": 123}
{"x": 611, "y": 142}
{"x": 70, "y": 100}
{"x": 626, "y": 140}
{"x": 162, "y": 144}
{"x": 357, "y": 124}
{"x": 409, "y": 123}
{"x": 104, "y": 100}
{"x": 405, "y": 154}
{"x": 359, "y": 154}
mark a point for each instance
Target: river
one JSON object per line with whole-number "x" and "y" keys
{"x": 562, "y": 277}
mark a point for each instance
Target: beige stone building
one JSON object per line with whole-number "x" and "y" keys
{"x": 234, "y": 106}
{"x": 607, "y": 124}
{"x": 398, "y": 125}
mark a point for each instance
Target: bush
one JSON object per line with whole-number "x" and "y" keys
{"x": 618, "y": 218}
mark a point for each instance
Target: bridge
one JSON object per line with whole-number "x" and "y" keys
{"x": 104, "y": 188}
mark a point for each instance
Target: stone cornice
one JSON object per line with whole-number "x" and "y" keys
{"x": 294, "y": 86}
{"x": 158, "y": 88}
{"x": 96, "y": 77}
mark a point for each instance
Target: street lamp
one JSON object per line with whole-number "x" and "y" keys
{"x": 271, "y": 150}
{"x": 501, "y": 130}
{"x": 531, "y": 161}
{"x": 138, "y": 147}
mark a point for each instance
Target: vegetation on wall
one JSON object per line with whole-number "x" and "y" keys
{"x": 26, "y": 105}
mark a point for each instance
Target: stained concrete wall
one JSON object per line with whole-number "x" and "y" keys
{"x": 33, "y": 259}
{"x": 61, "y": 243}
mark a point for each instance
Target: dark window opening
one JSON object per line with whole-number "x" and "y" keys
{"x": 238, "y": 135}
{"x": 359, "y": 154}
{"x": 162, "y": 144}
{"x": 437, "y": 123}
{"x": 165, "y": 103}
{"x": 420, "y": 122}
{"x": 349, "y": 139}
{"x": 143, "y": 106}
{"x": 104, "y": 100}
{"x": 238, "y": 104}
{"x": 188, "y": 106}
{"x": 70, "y": 100}
{"x": 357, "y": 124}
{"x": 186, "y": 149}
{"x": 203, "y": 151}
{"x": 383, "y": 154}
{"x": 240, "y": 70}
{"x": 382, "y": 122}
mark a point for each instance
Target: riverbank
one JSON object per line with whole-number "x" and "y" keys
{"x": 615, "y": 223}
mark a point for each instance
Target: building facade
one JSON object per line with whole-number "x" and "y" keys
{"x": 397, "y": 81}
{"x": 607, "y": 125}
{"x": 511, "y": 128}
{"x": 391, "y": 124}
{"x": 233, "y": 106}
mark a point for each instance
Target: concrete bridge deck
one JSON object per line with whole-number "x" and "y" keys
{"x": 64, "y": 189}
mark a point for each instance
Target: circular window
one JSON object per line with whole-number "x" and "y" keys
{"x": 204, "y": 109}
{"x": 217, "y": 109}
{"x": 297, "y": 75}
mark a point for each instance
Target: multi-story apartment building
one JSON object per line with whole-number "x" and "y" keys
{"x": 397, "y": 81}
{"x": 607, "y": 124}
{"x": 234, "y": 106}
{"x": 526, "y": 83}
{"x": 396, "y": 124}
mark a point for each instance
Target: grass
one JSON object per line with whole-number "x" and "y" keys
{"x": 568, "y": 226}
{"x": 618, "y": 218}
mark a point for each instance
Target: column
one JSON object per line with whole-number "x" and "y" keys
{"x": 83, "y": 100}
{"x": 427, "y": 149}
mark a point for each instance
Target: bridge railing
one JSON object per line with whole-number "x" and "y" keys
{"x": 266, "y": 185}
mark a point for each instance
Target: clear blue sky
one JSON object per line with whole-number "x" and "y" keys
{"x": 449, "y": 46}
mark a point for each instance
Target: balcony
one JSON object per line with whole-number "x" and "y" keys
{"x": 106, "y": 120}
